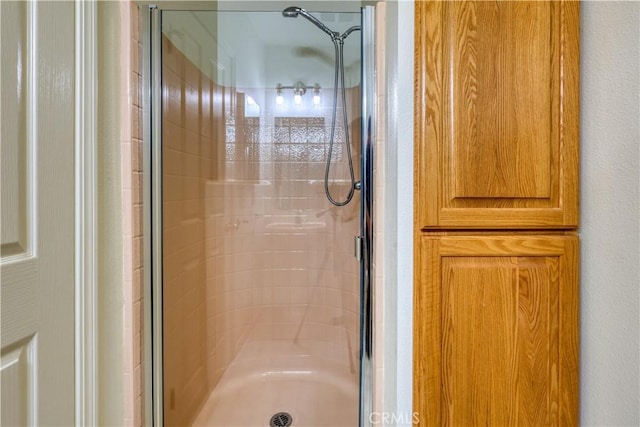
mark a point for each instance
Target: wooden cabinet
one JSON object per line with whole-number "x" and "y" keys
{"x": 496, "y": 211}
{"x": 496, "y": 338}
{"x": 496, "y": 114}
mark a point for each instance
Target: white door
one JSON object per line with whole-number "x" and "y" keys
{"x": 37, "y": 207}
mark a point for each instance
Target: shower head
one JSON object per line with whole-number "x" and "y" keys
{"x": 294, "y": 11}
{"x": 291, "y": 12}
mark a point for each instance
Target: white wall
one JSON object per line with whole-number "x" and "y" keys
{"x": 111, "y": 322}
{"x": 398, "y": 212}
{"x": 610, "y": 192}
{"x": 404, "y": 208}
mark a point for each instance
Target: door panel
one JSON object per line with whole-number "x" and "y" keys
{"x": 496, "y": 312}
{"x": 496, "y": 331}
{"x": 492, "y": 99}
{"x": 37, "y": 206}
{"x": 16, "y": 214}
{"x": 497, "y": 114}
{"x": 17, "y": 367}
{"x": 235, "y": 165}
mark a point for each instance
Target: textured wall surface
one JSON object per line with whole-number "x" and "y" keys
{"x": 610, "y": 185}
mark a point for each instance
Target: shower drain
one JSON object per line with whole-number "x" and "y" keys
{"x": 281, "y": 419}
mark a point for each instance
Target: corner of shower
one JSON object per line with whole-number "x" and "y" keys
{"x": 257, "y": 311}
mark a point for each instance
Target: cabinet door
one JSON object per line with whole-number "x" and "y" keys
{"x": 496, "y": 331}
{"x": 496, "y": 114}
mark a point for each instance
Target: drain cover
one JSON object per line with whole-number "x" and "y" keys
{"x": 281, "y": 419}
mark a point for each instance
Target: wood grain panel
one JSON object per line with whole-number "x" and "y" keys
{"x": 500, "y": 97}
{"x": 496, "y": 332}
{"x": 496, "y": 318}
{"x": 496, "y": 114}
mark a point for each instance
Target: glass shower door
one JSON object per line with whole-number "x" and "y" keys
{"x": 258, "y": 286}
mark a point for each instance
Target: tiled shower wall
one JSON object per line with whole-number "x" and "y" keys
{"x": 191, "y": 119}
{"x": 131, "y": 161}
{"x": 252, "y": 250}
{"x": 136, "y": 201}
{"x": 279, "y": 252}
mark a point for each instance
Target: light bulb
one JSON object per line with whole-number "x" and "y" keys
{"x": 279, "y": 99}
{"x": 316, "y": 99}
{"x": 299, "y": 89}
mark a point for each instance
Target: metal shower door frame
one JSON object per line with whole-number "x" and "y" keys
{"x": 152, "y": 211}
{"x": 150, "y": 23}
{"x": 367, "y": 150}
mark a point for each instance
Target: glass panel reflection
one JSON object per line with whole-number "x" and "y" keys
{"x": 260, "y": 287}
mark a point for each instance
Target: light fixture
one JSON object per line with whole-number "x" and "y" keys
{"x": 299, "y": 90}
{"x": 279, "y": 97}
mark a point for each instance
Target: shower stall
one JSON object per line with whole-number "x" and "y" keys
{"x": 259, "y": 165}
